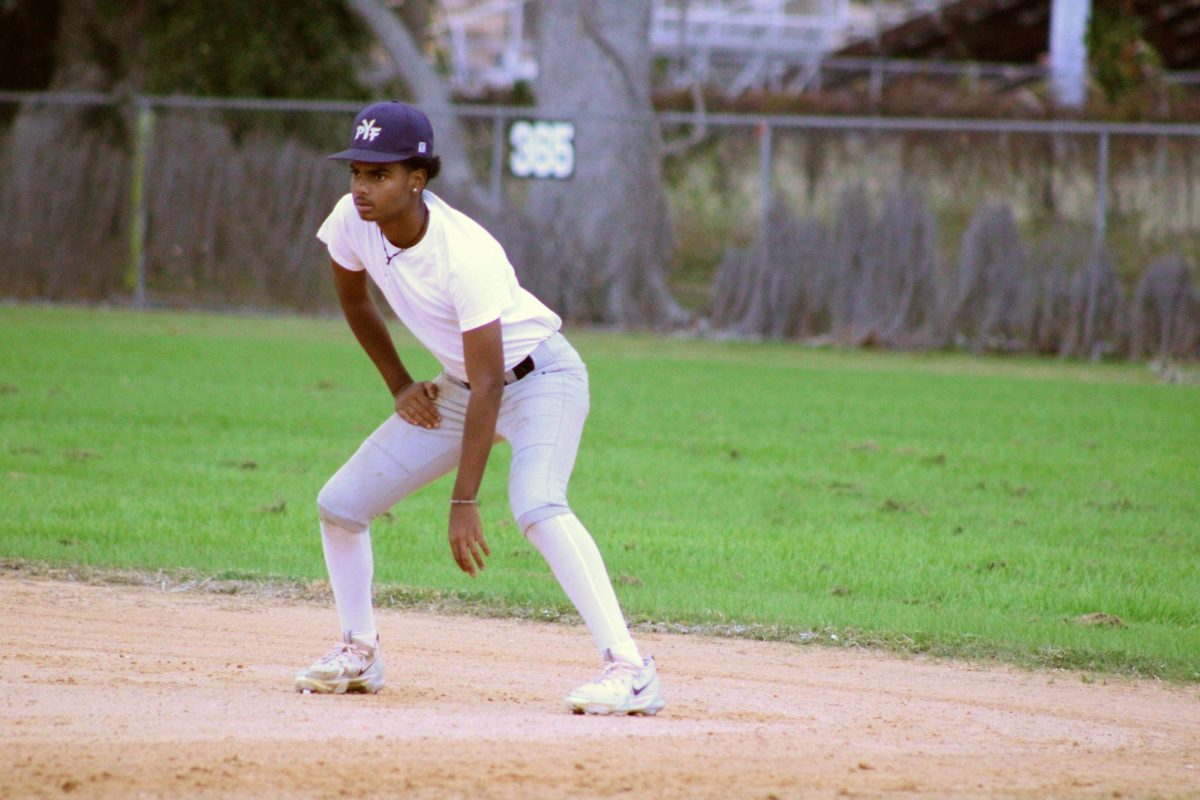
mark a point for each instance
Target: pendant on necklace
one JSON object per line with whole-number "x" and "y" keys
{"x": 384, "y": 242}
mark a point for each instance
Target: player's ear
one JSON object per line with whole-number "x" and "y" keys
{"x": 417, "y": 179}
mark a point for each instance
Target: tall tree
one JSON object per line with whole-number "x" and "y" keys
{"x": 594, "y": 66}
{"x": 593, "y": 245}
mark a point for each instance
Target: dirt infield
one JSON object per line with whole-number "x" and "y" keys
{"x": 132, "y": 691}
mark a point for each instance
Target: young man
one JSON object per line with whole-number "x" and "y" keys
{"x": 508, "y": 373}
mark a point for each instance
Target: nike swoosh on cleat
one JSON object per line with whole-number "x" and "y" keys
{"x": 637, "y": 690}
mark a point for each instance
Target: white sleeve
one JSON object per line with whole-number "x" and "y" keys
{"x": 335, "y": 232}
{"x": 479, "y": 286}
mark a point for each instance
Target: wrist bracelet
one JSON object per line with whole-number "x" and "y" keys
{"x": 456, "y": 502}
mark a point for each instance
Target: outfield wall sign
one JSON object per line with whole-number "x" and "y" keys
{"x": 543, "y": 149}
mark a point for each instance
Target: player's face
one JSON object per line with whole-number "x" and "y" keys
{"x": 382, "y": 192}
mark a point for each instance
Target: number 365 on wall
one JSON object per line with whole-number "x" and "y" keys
{"x": 541, "y": 149}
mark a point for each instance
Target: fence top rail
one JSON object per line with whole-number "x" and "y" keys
{"x": 915, "y": 66}
{"x": 179, "y": 101}
{"x": 934, "y": 125}
{"x": 697, "y": 118}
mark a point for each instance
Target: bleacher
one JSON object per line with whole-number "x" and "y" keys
{"x": 797, "y": 45}
{"x": 736, "y": 44}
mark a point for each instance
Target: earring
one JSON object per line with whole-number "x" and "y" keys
{"x": 414, "y": 191}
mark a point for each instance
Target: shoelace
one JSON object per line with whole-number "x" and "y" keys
{"x": 343, "y": 654}
{"x": 615, "y": 671}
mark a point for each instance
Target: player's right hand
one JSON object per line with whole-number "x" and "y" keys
{"x": 467, "y": 542}
{"x": 414, "y": 404}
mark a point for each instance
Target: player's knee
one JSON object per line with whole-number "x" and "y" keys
{"x": 337, "y": 509}
{"x": 534, "y": 497}
{"x": 527, "y": 518}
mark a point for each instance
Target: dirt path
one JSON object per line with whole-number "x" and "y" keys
{"x": 120, "y": 692}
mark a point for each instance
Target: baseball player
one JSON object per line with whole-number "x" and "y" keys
{"x": 507, "y": 373}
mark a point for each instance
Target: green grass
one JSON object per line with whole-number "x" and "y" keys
{"x": 927, "y": 502}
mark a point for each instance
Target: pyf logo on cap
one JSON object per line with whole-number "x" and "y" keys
{"x": 388, "y": 131}
{"x": 367, "y": 130}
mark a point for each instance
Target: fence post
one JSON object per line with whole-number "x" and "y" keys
{"x": 497, "y": 187}
{"x": 765, "y": 145}
{"x": 143, "y": 128}
{"x": 1100, "y": 233}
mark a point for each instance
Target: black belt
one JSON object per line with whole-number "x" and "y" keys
{"x": 516, "y": 373}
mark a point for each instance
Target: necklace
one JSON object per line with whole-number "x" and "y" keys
{"x": 384, "y": 242}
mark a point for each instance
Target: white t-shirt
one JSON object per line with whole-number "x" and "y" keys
{"x": 453, "y": 280}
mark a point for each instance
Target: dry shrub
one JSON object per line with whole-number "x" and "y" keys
{"x": 850, "y": 262}
{"x": 875, "y": 282}
{"x": 898, "y": 288}
{"x": 877, "y": 288}
{"x": 1055, "y": 257}
{"x": 1165, "y": 311}
{"x": 228, "y": 223}
{"x": 866, "y": 282}
{"x": 733, "y": 287}
{"x": 1095, "y": 315}
{"x": 793, "y": 300}
{"x": 984, "y": 308}
{"x": 236, "y": 221}
{"x": 63, "y": 234}
{"x": 772, "y": 288}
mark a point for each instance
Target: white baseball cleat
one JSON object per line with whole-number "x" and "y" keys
{"x": 621, "y": 688}
{"x": 355, "y": 665}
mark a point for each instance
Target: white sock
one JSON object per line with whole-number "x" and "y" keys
{"x": 351, "y": 569}
{"x": 574, "y": 559}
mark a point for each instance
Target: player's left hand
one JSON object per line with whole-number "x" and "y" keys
{"x": 467, "y": 541}
{"x": 415, "y": 404}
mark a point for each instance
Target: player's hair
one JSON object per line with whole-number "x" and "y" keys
{"x": 431, "y": 165}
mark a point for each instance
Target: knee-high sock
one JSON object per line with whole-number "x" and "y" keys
{"x": 575, "y": 560}
{"x": 351, "y": 569}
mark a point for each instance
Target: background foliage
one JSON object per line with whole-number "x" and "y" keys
{"x": 1122, "y": 61}
{"x": 302, "y": 48}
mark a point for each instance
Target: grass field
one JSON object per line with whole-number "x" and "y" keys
{"x": 934, "y": 503}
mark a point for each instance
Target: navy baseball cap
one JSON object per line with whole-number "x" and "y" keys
{"x": 388, "y": 131}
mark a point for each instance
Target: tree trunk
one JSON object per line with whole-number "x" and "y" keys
{"x": 594, "y": 68}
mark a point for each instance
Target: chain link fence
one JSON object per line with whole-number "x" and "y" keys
{"x": 213, "y": 203}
